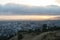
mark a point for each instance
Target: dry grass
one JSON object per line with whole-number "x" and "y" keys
{"x": 42, "y": 36}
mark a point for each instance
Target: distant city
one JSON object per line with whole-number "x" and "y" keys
{"x": 8, "y": 28}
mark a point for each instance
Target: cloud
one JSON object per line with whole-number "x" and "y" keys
{"x": 58, "y": 1}
{"x": 15, "y": 9}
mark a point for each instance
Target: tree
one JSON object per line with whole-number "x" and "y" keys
{"x": 44, "y": 27}
{"x": 20, "y": 36}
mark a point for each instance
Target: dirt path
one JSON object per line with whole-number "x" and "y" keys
{"x": 45, "y": 36}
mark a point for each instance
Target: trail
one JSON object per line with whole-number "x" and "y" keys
{"x": 44, "y": 36}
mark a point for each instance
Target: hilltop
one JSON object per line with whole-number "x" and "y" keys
{"x": 52, "y": 35}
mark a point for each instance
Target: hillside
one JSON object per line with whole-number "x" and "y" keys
{"x": 52, "y": 35}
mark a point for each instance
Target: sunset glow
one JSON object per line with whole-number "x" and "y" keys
{"x": 29, "y": 7}
{"x": 26, "y": 17}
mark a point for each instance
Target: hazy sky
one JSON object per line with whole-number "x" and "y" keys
{"x": 30, "y": 9}
{"x": 32, "y": 2}
{"x": 28, "y": 17}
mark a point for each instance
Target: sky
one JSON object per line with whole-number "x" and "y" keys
{"x": 32, "y": 2}
{"x": 27, "y": 8}
{"x": 30, "y": 7}
{"x": 29, "y": 17}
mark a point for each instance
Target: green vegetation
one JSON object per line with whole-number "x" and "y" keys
{"x": 44, "y": 27}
